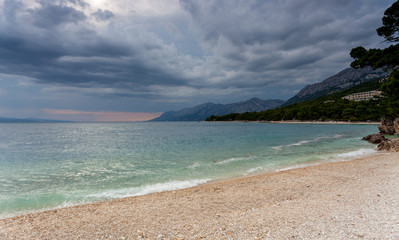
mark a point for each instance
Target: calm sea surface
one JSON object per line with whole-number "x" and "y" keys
{"x": 51, "y": 165}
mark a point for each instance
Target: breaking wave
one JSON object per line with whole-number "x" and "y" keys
{"x": 304, "y": 142}
{"x": 154, "y": 188}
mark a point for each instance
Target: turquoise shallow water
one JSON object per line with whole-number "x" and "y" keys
{"x": 45, "y": 166}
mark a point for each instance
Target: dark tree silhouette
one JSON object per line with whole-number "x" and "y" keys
{"x": 387, "y": 58}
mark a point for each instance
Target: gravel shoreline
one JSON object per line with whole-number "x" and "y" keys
{"x": 356, "y": 199}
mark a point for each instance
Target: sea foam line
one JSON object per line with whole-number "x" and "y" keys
{"x": 115, "y": 194}
{"x": 148, "y": 189}
{"x": 303, "y": 142}
{"x": 234, "y": 159}
{"x": 363, "y": 152}
{"x": 253, "y": 170}
{"x": 221, "y": 162}
{"x": 339, "y": 157}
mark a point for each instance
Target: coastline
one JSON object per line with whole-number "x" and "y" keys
{"x": 347, "y": 199}
{"x": 306, "y": 122}
{"x": 323, "y": 122}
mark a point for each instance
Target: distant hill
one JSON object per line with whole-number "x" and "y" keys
{"x": 329, "y": 107}
{"x": 28, "y": 120}
{"x": 343, "y": 80}
{"x": 201, "y": 112}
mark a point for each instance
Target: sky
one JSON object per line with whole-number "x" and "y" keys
{"x": 122, "y": 60}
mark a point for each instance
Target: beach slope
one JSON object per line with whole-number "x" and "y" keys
{"x": 342, "y": 200}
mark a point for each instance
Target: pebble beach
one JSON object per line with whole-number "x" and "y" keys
{"x": 356, "y": 199}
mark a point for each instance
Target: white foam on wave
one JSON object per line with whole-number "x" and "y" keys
{"x": 234, "y": 159}
{"x": 332, "y": 137}
{"x": 196, "y": 165}
{"x": 340, "y": 157}
{"x": 363, "y": 152}
{"x": 220, "y": 162}
{"x": 303, "y": 142}
{"x": 154, "y": 188}
{"x": 278, "y": 148}
{"x": 252, "y": 170}
{"x": 301, "y": 165}
{"x": 300, "y": 143}
{"x": 115, "y": 194}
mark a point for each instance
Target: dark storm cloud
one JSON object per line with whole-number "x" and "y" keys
{"x": 241, "y": 47}
{"x": 49, "y": 15}
{"x": 60, "y": 51}
{"x": 103, "y": 15}
{"x": 77, "y": 3}
{"x": 283, "y": 35}
{"x": 282, "y": 27}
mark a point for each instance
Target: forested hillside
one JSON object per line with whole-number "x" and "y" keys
{"x": 345, "y": 79}
{"x": 327, "y": 107}
{"x": 202, "y": 111}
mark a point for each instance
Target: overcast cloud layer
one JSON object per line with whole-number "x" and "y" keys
{"x": 158, "y": 55}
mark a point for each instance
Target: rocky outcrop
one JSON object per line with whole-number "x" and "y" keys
{"x": 396, "y": 125}
{"x": 389, "y": 126}
{"x": 375, "y": 138}
{"x": 391, "y": 145}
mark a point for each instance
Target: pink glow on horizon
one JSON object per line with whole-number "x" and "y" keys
{"x": 102, "y": 116}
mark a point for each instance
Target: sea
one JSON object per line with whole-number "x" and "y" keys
{"x": 52, "y": 165}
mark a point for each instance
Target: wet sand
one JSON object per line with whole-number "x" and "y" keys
{"x": 357, "y": 199}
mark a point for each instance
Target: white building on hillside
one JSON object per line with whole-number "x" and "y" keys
{"x": 362, "y": 96}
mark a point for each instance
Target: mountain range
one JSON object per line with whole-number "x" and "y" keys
{"x": 344, "y": 79}
{"x": 202, "y": 111}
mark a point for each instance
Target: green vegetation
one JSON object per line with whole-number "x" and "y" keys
{"x": 329, "y": 107}
{"x": 387, "y": 58}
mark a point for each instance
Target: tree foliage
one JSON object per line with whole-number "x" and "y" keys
{"x": 376, "y": 58}
{"x": 387, "y": 58}
{"x": 340, "y": 110}
{"x": 390, "y": 89}
{"x": 390, "y": 22}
